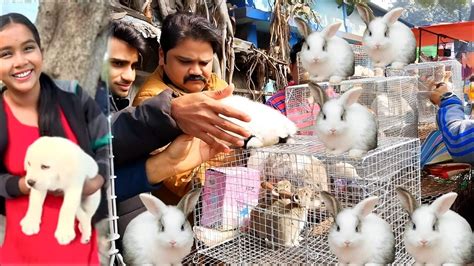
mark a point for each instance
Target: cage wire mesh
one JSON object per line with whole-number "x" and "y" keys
{"x": 448, "y": 71}
{"x": 361, "y": 58}
{"x": 393, "y": 100}
{"x": 264, "y": 205}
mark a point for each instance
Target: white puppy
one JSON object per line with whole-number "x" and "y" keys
{"x": 54, "y": 163}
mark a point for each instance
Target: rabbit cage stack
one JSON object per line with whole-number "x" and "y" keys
{"x": 240, "y": 218}
{"x": 448, "y": 71}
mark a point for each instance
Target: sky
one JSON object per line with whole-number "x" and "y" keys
{"x": 29, "y": 8}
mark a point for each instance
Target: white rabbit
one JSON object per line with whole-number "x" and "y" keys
{"x": 436, "y": 235}
{"x": 325, "y": 55}
{"x": 268, "y": 126}
{"x": 386, "y": 40}
{"x": 161, "y": 235}
{"x": 345, "y": 125}
{"x": 359, "y": 236}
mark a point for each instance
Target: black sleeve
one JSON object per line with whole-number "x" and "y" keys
{"x": 137, "y": 131}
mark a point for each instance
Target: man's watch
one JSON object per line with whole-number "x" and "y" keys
{"x": 446, "y": 95}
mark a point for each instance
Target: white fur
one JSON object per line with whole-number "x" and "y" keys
{"x": 356, "y": 133}
{"x": 267, "y": 125}
{"x": 398, "y": 48}
{"x": 373, "y": 243}
{"x": 55, "y": 163}
{"x": 145, "y": 241}
{"x": 451, "y": 242}
{"x": 335, "y": 63}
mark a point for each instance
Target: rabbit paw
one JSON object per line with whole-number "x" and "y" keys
{"x": 30, "y": 225}
{"x": 398, "y": 65}
{"x": 378, "y": 72}
{"x": 64, "y": 235}
{"x": 356, "y": 153}
{"x": 254, "y": 143}
{"x": 335, "y": 80}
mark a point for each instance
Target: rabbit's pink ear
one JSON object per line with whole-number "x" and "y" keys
{"x": 153, "y": 204}
{"x": 302, "y": 27}
{"x": 331, "y": 30}
{"x": 393, "y": 15}
{"x": 407, "y": 200}
{"x": 189, "y": 201}
{"x": 365, "y": 13}
{"x": 332, "y": 204}
{"x": 351, "y": 96}
{"x": 366, "y": 206}
{"x": 442, "y": 204}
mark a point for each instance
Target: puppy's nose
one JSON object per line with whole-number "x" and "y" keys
{"x": 31, "y": 182}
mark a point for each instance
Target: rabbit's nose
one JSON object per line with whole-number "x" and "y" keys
{"x": 31, "y": 182}
{"x": 423, "y": 242}
{"x": 332, "y": 130}
{"x": 347, "y": 243}
{"x": 172, "y": 243}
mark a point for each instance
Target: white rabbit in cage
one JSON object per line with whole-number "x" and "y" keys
{"x": 267, "y": 126}
{"x": 162, "y": 234}
{"x": 359, "y": 236}
{"x": 325, "y": 55}
{"x": 436, "y": 235}
{"x": 387, "y": 40}
{"x": 345, "y": 125}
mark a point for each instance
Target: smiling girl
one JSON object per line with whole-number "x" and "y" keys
{"x": 32, "y": 105}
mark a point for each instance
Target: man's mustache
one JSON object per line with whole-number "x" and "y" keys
{"x": 194, "y": 78}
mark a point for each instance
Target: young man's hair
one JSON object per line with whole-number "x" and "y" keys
{"x": 182, "y": 25}
{"x": 125, "y": 32}
{"x": 295, "y": 49}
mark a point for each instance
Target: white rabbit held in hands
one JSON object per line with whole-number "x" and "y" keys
{"x": 359, "y": 236}
{"x": 436, "y": 235}
{"x": 386, "y": 40}
{"x": 325, "y": 55}
{"x": 162, "y": 234}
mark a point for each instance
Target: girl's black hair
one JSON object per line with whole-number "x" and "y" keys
{"x": 48, "y": 107}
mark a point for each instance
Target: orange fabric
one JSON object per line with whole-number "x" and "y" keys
{"x": 460, "y": 30}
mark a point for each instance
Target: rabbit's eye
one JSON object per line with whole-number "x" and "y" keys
{"x": 182, "y": 227}
{"x": 435, "y": 227}
{"x": 44, "y": 167}
{"x": 342, "y": 117}
{"x": 370, "y": 33}
{"x": 338, "y": 228}
{"x": 414, "y": 226}
{"x": 162, "y": 227}
{"x": 357, "y": 229}
{"x": 324, "y": 47}
{"x": 386, "y": 33}
{"x": 324, "y": 116}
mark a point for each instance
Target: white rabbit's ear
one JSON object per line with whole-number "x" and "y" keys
{"x": 366, "y": 206}
{"x": 153, "y": 204}
{"x": 302, "y": 26}
{"x": 331, "y": 30}
{"x": 407, "y": 200}
{"x": 332, "y": 204}
{"x": 393, "y": 15}
{"x": 443, "y": 203}
{"x": 189, "y": 201}
{"x": 351, "y": 96}
{"x": 317, "y": 94}
{"x": 365, "y": 13}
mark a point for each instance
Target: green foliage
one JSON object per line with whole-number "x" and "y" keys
{"x": 452, "y": 5}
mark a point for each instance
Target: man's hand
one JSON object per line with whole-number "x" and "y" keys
{"x": 436, "y": 92}
{"x": 23, "y": 187}
{"x": 183, "y": 154}
{"x": 197, "y": 114}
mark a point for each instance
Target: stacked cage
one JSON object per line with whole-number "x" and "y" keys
{"x": 442, "y": 71}
{"x": 263, "y": 206}
{"x": 393, "y": 100}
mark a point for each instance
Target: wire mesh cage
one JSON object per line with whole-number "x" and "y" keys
{"x": 448, "y": 71}
{"x": 393, "y": 100}
{"x": 264, "y": 207}
{"x": 361, "y": 58}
